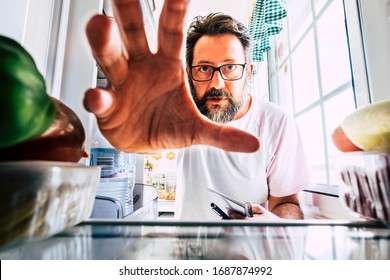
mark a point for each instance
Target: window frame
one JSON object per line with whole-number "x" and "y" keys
{"x": 360, "y": 87}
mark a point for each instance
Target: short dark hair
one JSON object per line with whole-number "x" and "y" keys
{"x": 216, "y": 24}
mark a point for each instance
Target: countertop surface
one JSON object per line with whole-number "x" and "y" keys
{"x": 127, "y": 240}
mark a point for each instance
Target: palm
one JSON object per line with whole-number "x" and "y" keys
{"x": 149, "y": 106}
{"x": 155, "y": 100}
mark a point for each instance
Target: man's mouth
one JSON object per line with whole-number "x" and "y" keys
{"x": 216, "y": 99}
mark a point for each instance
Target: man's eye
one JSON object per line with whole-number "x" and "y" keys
{"x": 230, "y": 67}
{"x": 204, "y": 68}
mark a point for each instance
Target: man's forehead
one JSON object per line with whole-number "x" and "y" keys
{"x": 225, "y": 48}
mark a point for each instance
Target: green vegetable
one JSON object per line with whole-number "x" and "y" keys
{"x": 26, "y": 110}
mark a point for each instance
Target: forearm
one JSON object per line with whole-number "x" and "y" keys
{"x": 288, "y": 211}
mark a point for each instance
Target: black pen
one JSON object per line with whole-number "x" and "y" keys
{"x": 219, "y": 211}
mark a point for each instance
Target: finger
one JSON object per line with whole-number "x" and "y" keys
{"x": 257, "y": 209}
{"x": 236, "y": 216}
{"x": 105, "y": 42}
{"x": 128, "y": 14}
{"x": 228, "y": 138}
{"x": 100, "y": 102}
{"x": 171, "y": 28}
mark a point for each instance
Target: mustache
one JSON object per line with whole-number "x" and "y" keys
{"x": 217, "y": 93}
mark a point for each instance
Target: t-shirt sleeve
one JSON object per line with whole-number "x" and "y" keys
{"x": 287, "y": 170}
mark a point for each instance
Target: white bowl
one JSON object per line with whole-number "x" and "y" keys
{"x": 365, "y": 184}
{"x": 41, "y": 198}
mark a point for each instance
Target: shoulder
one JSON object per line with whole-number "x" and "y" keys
{"x": 266, "y": 112}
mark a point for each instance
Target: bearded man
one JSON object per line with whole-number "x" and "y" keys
{"x": 219, "y": 70}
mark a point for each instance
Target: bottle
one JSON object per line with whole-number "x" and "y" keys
{"x": 117, "y": 177}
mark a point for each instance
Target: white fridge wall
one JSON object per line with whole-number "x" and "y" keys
{"x": 29, "y": 23}
{"x": 375, "y": 21}
{"x": 53, "y": 31}
{"x": 12, "y": 23}
{"x": 79, "y": 69}
{"x": 368, "y": 27}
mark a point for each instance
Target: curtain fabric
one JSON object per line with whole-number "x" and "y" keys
{"x": 266, "y": 20}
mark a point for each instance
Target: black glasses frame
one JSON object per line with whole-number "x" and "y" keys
{"x": 219, "y": 70}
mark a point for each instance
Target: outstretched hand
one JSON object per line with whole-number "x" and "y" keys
{"x": 148, "y": 105}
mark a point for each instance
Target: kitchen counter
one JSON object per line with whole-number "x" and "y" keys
{"x": 118, "y": 239}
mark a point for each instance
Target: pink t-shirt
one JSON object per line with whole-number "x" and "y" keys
{"x": 279, "y": 167}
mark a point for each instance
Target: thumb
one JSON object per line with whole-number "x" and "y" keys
{"x": 100, "y": 102}
{"x": 227, "y": 138}
{"x": 257, "y": 209}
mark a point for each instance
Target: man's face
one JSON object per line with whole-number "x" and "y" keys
{"x": 218, "y": 99}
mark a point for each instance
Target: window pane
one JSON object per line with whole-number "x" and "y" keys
{"x": 260, "y": 82}
{"x": 336, "y": 109}
{"x": 299, "y": 18}
{"x": 333, "y": 48}
{"x": 304, "y": 69}
{"x": 284, "y": 88}
{"x": 319, "y": 4}
{"x": 281, "y": 41}
{"x": 310, "y": 125}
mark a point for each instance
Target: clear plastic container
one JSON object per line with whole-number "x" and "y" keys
{"x": 117, "y": 177}
{"x": 41, "y": 198}
{"x": 364, "y": 178}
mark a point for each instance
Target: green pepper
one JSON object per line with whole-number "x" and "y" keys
{"x": 26, "y": 110}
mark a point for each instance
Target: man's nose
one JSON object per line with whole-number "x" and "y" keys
{"x": 217, "y": 81}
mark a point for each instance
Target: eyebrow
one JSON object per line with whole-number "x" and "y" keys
{"x": 229, "y": 60}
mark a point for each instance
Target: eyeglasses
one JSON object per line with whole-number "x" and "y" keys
{"x": 229, "y": 72}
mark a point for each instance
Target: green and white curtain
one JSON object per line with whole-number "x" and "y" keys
{"x": 266, "y": 20}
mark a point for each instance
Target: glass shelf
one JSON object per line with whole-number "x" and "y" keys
{"x": 222, "y": 240}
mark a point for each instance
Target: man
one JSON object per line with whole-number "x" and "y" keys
{"x": 219, "y": 70}
{"x": 149, "y": 107}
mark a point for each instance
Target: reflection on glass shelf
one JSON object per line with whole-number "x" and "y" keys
{"x": 205, "y": 241}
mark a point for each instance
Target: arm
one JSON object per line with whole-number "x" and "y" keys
{"x": 286, "y": 207}
{"x": 148, "y": 105}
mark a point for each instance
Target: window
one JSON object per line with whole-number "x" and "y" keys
{"x": 311, "y": 71}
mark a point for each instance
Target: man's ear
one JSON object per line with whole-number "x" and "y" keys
{"x": 251, "y": 67}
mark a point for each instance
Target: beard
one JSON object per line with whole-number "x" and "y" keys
{"x": 217, "y": 112}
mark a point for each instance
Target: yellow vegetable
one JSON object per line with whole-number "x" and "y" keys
{"x": 369, "y": 127}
